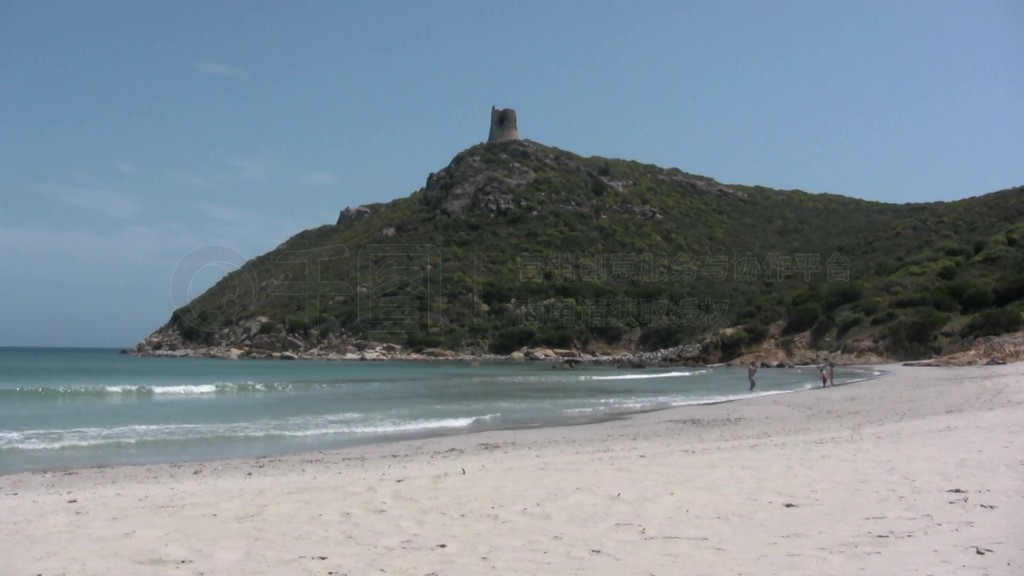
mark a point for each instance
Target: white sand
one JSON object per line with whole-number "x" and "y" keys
{"x": 860, "y": 479}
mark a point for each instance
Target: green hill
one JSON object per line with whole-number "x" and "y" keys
{"x": 519, "y": 244}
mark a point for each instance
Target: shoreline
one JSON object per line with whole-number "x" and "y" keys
{"x": 862, "y": 374}
{"x": 248, "y": 340}
{"x": 915, "y": 470}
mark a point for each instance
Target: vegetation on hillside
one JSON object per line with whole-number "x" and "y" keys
{"x": 519, "y": 244}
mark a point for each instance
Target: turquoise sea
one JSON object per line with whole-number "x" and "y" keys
{"x": 64, "y": 408}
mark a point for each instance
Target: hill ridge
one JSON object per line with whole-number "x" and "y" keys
{"x": 516, "y": 244}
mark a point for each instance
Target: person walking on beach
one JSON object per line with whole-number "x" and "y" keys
{"x": 831, "y": 374}
{"x": 751, "y": 371}
{"x": 824, "y": 376}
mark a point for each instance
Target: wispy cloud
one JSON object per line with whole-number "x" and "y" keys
{"x": 190, "y": 178}
{"x": 224, "y": 213}
{"x": 319, "y": 178}
{"x": 221, "y": 70}
{"x": 126, "y": 167}
{"x": 248, "y": 168}
{"x": 100, "y": 200}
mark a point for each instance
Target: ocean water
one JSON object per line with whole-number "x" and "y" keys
{"x": 65, "y": 408}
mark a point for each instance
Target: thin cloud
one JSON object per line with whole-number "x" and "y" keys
{"x": 191, "y": 178}
{"x": 224, "y": 213}
{"x": 99, "y": 200}
{"x": 221, "y": 70}
{"x": 320, "y": 178}
{"x": 126, "y": 167}
{"x": 248, "y": 168}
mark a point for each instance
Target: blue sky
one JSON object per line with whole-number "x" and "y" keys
{"x": 133, "y": 134}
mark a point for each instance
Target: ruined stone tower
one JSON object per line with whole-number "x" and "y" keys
{"x": 503, "y": 125}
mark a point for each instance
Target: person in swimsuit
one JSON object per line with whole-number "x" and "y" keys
{"x": 751, "y": 371}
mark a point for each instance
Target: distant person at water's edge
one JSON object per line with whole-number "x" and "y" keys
{"x": 751, "y": 371}
{"x": 824, "y": 376}
{"x": 831, "y": 374}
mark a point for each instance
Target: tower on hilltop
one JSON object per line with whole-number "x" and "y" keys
{"x": 503, "y": 125}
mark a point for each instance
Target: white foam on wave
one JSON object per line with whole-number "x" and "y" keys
{"x": 636, "y": 404}
{"x": 335, "y": 424}
{"x": 181, "y": 390}
{"x": 635, "y": 376}
{"x": 188, "y": 389}
{"x": 246, "y": 386}
{"x": 118, "y": 389}
{"x": 391, "y": 427}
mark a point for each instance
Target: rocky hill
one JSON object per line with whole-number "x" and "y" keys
{"x": 517, "y": 247}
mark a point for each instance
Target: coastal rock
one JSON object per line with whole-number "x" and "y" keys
{"x": 233, "y": 354}
{"x": 287, "y": 356}
{"x": 293, "y": 344}
{"x": 252, "y": 327}
{"x": 266, "y": 342}
{"x": 540, "y": 354}
{"x": 362, "y": 345}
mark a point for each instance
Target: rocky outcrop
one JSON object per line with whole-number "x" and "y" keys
{"x": 1004, "y": 349}
{"x": 467, "y": 184}
{"x": 261, "y": 338}
{"x": 643, "y": 211}
{"x": 356, "y": 214}
{"x": 699, "y": 183}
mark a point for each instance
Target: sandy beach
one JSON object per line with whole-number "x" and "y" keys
{"x": 916, "y": 472}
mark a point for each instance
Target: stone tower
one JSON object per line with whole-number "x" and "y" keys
{"x": 503, "y": 125}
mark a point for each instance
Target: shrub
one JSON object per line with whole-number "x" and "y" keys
{"x": 756, "y": 332}
{"x": 843, "y": 293}
{"x": 326, "y": 325}
{"x": 993, "y": 323}
{"x": 810, "y": 296}
{"x": 912, "y": 300}
{"x": 954, "y": 289}
{"x": 660, "y": 337}
{"x": 940, "y": 300}
{"x": 955, "y": 250}
{"x": 848, "y": 323}
{"x": 1011, "y": 238}
{"x": 192, "y": 333}
{"x": 512, "y": 339}
{"x": 608, "y": 333}
{"x": 915, "y": 333}
{"x": 869, "y": 307}
{"x": 883, "y": 318}
{"x": 802, "y": 317}
{"x": 418, "y": 341}
{"x": 820, "y": 329}
{"x": 976, "y": 298}
{"x": 297, "y": 325}
{"x": 787, "y": 344}
{"x": 947, "y": 271}
{"x": 1009, "y": 290}
{"x": 732, "y": 344}
{"x": 555, "y": 338}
